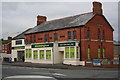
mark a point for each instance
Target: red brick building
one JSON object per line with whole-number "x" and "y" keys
{"x": 91, "y": 32}
{"x": 6, "y": 45}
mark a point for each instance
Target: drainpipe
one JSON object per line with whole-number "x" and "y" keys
{"x": 53, "y": 54}
{"x": 80, "y": 45}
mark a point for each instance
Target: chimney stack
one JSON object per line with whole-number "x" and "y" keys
{"x": 97, "y": 8}
{"x": 2, "y": 39}
{"x": 41, "y": 19}
{"x": 9, "y": 38}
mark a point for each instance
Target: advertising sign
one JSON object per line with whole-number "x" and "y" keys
{"x": 100, "y": 59}
{"x": 66, "y": 44}
{"x": 105, "y": 62}
{"x": 19, "y": 47}
{"x": 116, "y": 62}
{"x": 97, "y": 63}
{"x": 42, "y": 45}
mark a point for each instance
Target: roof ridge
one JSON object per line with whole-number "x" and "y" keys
{"x": 68, "y": 17}
{"x": 22, "y": 33}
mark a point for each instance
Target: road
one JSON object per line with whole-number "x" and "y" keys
{"x": 28, "y": 73}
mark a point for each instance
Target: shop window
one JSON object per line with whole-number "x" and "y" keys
{"x": 55, "y": 37}
{"x": 46, "y": 37}
{"x": 48, "y": 54}
{"x": 88, "y": 34}
{"x": 72, "y": 51}
{"x": 41, "y": 54}
{"x": 88, "y": 51}
{"x": 98, "y": 35}
{"x": 77, "y": 52}
{"x": 74, "y": 35}
{"x": 30, "y": 53}
{"x": 35, "y": 54}
{"x": 69, "y": 35}
{"x": 26, "y": 41}
{"x": 67, "y": 52}
{"x": 99, "y": 52}
{"x": 34, "y": 39}
{"x": 27, "y": 52}
{"x": 18, "y": 42}
{"x": 103, "y": 52}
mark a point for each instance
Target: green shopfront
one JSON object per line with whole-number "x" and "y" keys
{"x": 18, "y": 53}
{"x": 71, "y": 52}
{"x": 39, "y": 53}
{"x": 53, "y": 53}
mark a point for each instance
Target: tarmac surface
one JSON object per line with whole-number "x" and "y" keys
{"x": 34, "y": 71}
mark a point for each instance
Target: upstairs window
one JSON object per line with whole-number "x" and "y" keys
{"x": 46, "y": 37}
{"x": 74, "y": 34}
{"x": 88, "y": 34}
{"x": 55, "y": 37}
{"x": 30, "y": 39}
{"x": 34, "y": 39}
{"x": 98, "y": 35}
{"x": 103, "y": 35}
{"x": 18, "y": 42}
{"x": 69, "y": 35}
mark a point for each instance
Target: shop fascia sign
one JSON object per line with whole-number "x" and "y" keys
{"x": 97, "y": 63}
{"x": 66, "y": 44}
{"x": 42, "y": 45}
{"x": 100, "y": 59}
{"x": 19, "y": 47}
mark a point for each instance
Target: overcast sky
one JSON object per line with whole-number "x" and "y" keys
{"x": 19, "y": 16}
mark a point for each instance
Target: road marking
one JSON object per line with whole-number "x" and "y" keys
{"x": 28, "y": 76}
{"x": 58, "y": 74}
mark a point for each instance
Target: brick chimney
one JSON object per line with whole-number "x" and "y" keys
{"x": 97, "y": 8}
{"x": 2, "y": 39}
{"x": 41, "y": 19}
{"x": 9, "y": 38}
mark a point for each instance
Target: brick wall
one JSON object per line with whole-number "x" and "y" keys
{"x": 62, "y": 35}
{"x": 98, "y": 22}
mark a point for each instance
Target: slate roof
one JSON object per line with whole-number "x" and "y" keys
{"x": 22, "y": 35}
{"x": 67, "y": 22}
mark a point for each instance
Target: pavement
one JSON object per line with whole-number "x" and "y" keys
{"x": 54, "y": 66}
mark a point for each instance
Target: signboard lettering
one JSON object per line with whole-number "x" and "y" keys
{"x": 97, "y": 63}
{"x": 100, "y": 59}
{"x": 66, "y": 44}
{"x": 19, "y": 47}
{"x": 42, "y": 45}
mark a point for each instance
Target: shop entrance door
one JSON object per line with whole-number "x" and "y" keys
{"x": 21, "y": 56}
{"x": 61, "y": 56}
